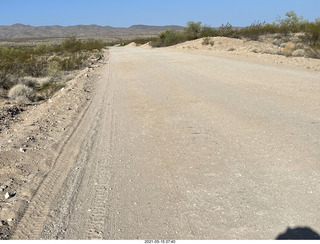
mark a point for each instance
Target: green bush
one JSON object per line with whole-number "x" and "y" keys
{"x": 7, "y": 63}
{"x": 92, "y": 44}
{"x": 169, "y": 38}
{"x": 313, "y": 53}
{"x": 312, "y": 34}
{"x": 54, "y": 68}
{"x": 42, "y": 49}
{"x": 48, "y": 89}
{"x": 139, "y": 41}
{"x": 193, "y": 30}
{"x": 292, "y": 23}
{"x": 71, "y": 44}
{"x": 209, "y": 31}
{"x": 35, "y": 66}
{"x": 72, "y": 62}
{"x": 172, "y": 37}
{"x": 226, "y": 30}
{"x": 254, "y": 31}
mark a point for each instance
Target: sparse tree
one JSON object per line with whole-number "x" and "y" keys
{"x": 293, "y": 22}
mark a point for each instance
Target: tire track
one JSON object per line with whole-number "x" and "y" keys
{"x": 59, "y": 220}
{"x": 38, "y": 209}
{"x": 85, "y": 194}
{"x": 99, "y": 209}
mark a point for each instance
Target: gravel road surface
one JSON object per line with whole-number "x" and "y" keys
{"x": 184, "y": 146}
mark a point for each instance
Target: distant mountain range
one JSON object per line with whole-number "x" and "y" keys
{"x": 18, "y": 31}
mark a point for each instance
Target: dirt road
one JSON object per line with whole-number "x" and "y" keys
{"x": 184, "y": 146}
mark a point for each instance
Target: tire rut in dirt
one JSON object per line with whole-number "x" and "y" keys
{"x": 39, "y": 207}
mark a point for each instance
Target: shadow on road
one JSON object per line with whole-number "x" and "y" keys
{"x": 299, "y": 233}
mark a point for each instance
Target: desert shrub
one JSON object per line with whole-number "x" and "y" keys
{"x": 35, "y": 66}
{"x": 54, "y": 68}
{"x": 169, "y": 38}
{"x": 292, "y": 23}
{"x": 21, "y": 93}
{"x": 7, "y": 63}
{"x": 193, "y": 30}
{"x": 299, "y": 53}
{"x": 288, "y": 49}
{"x": 48, "y": 89}
{"x": 96, "y": 53}
{"x": 74, "y": 61}
{"x": 208, "y": 31}
{"x": 207, "y": 41}
{"x": 42, "y": 60}
{"x": 313, "y": 53}
{"x": 312, "y": 34}
{"x": 68, "y": 62}
{"x": 271, "y": 28}
{"x": 9, "y": 82}
{"x": 157, "y": 43}
{"x": 254, "y": 31}
{"x": 226, "y": 30}
{"x": 137, "y": 40}
{"x": 21, "y": 62}
{"x": 312, "y": 38}
{"x": 41, "y": 81}
{"x": 71, "y": 44}
{"x": 172, "y": 37}
{"x": 29, "y": 81}
{"x": 42, "y": 49}
{"x": 92, "y": 44}
{"x": 140, "y": 40}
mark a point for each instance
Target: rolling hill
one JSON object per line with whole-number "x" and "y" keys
{"x": 19, "y": 31}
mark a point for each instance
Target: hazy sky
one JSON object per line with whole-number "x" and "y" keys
{"x": 125, "y": 13}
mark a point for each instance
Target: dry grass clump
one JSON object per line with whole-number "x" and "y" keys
{"x": 48, "y": 89}
{"x": 21, "y": 93}
{"x": 288, "y": 49}
{"x": 313, "y": 53}
{"x": 29, "y": 81}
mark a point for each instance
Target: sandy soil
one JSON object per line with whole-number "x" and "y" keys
{"x": 132, "y": 44}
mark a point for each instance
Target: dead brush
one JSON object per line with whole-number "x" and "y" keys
{"x": 21, "y": 93}
{"x": 288, "y": 49}
{"x": 207, "y": 41}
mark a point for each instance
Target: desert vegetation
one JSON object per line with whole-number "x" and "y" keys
{"x": 35, "y": 73}
{"x": 294, "y": 32}
{"x": 138, "y": 40}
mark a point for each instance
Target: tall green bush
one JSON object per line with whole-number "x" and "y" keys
{"x": 292, "y": 22}
{"x": 169, "y": 38}
{"x": 193, "y": 30}
{"x": 312, "y": 34}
